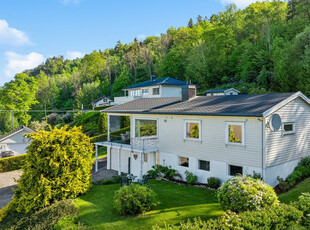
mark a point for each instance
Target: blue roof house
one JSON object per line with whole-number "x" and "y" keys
{"x": 155, "y": 88}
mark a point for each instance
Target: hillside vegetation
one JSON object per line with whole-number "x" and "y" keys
{"x": 263, "y": 48}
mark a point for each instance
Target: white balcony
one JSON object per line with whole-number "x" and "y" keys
{"x": 140, "y": 144}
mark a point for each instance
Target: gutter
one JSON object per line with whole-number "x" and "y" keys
{"x": 191, "y": 114}
{"x": 263, "y": 158}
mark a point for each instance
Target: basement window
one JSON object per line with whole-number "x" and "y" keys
{"x": 289, "y": 128}
{"x": 234, "y": 170}
{"x": 204, "y": 165}
{"x": 184, "y": 161}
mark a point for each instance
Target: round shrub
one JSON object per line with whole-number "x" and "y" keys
{"x": 245, "y": 193}
{"x": 214, "y": 182}
{"x": 134, "y": 199}
{"x": 58, "y": 165}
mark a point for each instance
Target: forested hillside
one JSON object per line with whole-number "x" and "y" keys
{"x": 263, "y": 48}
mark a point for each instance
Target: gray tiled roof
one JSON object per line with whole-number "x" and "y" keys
{"x": 2, "y": 137}
{"x": 235, "y": 105}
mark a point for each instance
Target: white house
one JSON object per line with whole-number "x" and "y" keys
{"x": 153, "y": 88}
{"x": 221, "y": 92}
{"x": 101, "y": 102}
{"x": 214, "y": 136}
{"x": 15, "y": 140}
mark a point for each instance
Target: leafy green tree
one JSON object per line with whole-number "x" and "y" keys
{"x": 19, "y": 94}
{"x": 58, "y": 166}
{"x": 121, "y": 82}
{"x": 88, "y": 93}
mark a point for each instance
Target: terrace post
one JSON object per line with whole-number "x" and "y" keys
{"x": 119, "y": 161}
{"x": 108, "y": 137}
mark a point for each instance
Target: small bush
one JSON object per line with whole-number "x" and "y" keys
{"x": 134, "y": 199}
{"x": 303, "y": 204}
{"x": 245, "y": 193}
{"x": 214, "y": 182}
{"x": 305, "y": 162}
{"x": 190, "y": 177}
{"x": 159, "y": 170}
{"x": 12, "y": 163}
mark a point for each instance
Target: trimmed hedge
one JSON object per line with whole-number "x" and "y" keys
{"x": 12, "y": 163}
{"x": 103, "y": 137}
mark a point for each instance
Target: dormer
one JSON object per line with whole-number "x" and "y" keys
{"x": 221, "y": 92}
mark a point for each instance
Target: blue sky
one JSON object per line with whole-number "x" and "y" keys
{"x": 33, "y": 30}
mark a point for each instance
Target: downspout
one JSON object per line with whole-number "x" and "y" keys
{"x": 263, "y": 158}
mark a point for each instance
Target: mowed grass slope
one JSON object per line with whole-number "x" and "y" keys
{"x": 294, "y": 193}
{"x": 177, "y": 203}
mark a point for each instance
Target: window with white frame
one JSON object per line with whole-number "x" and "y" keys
{"x": 105, "y": 100}
{"x": 288, "y": 128}
{"x": 156, "y": 91}
{"x": 204, "y": 165}
{"x": 184, "y": 161}
{"x": 235, "y": 133}
{"x": 192, "y": 130}
{"x": 234, "y": 170}
{"x": 145, "y": 128}
{"x": 145, "y": 92}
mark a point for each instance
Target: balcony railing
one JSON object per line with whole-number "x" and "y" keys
{"x": 145, "y": 144}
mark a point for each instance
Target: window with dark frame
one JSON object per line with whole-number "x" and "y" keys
{"x": 204, "y": 165}
{"x": 234, "y": 170}
{"x": 156, "y": 91}
{"x": 184, "y": 161}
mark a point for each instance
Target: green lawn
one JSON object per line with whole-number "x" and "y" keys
{"x": 102, "y": 152}
{"x": 293, "y": 194}
{"x": 177, "y": 203}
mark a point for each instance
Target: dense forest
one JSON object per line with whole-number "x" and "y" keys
{"x": 260, "y": 49}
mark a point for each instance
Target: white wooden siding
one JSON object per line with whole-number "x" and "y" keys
{"x": 212, "y": 145}
{"x": 286, "y": 148}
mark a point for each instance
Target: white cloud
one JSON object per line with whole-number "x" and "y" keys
{"x": 74, "y": 54}
{"x": 240, "y": 3}
{"x": 18, "y": 63}
{"x": 141, "y": 37}
{"x": 11, "y": 36}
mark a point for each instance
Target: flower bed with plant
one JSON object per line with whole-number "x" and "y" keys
{"x": 166, "y": 172}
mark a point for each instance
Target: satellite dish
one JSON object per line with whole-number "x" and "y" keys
{"x": 275, "y": 122}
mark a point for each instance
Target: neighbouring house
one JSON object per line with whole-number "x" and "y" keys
{"x": 102, "y": 102}
{"x": 15, "y": 140}
{"x": 221, "y": 92}
{"x": 154, "y": 88}
{"x": 213, "y": 136}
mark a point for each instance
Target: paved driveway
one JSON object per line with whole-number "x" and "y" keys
{"x": 7, "y": 183}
